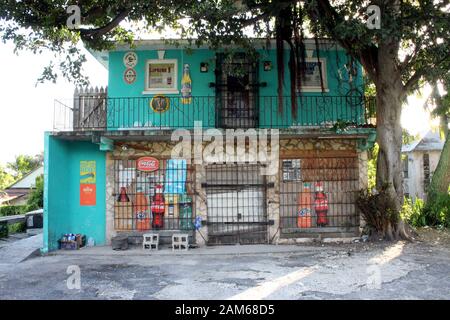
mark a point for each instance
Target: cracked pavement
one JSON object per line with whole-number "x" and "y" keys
{"x": 341, "y": 271}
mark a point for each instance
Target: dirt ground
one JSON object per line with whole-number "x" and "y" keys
{"x": 435, "y": 237}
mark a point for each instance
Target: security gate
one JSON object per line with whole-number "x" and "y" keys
{"x": 236, "y": 204}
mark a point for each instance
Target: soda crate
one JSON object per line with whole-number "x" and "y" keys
{"x": 69, "y": 245}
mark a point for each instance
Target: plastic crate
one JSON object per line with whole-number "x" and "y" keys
{"x": 69, "y": 245}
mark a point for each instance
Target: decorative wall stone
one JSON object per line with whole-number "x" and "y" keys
{"x": 110, "y": 231}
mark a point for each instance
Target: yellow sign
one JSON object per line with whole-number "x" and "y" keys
{"x": 87, "y": 172}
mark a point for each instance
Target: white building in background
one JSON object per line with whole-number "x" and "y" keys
{"x": 419, "y": 163}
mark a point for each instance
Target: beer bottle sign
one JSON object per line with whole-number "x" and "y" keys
{"x": 186, "y": 86}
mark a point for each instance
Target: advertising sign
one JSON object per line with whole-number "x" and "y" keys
{"x": 88, "y": 179}
{"x": 147, "y": 164}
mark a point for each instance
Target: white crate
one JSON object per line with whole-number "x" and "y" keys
{"x": 180, "y": 241}
{"x": 150, "y": 241}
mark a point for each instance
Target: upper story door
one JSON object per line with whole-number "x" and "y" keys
{"x": 236, "y": 92}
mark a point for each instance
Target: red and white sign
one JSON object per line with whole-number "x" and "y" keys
{"x": 147, "y": 164}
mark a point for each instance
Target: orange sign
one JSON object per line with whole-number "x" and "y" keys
{"x": 87, "y": 194}
{"x": 147, "y": 164}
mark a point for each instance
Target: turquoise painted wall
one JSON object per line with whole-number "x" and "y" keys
{"x": 129, "y": 107}
{"x": 62, "y": 210}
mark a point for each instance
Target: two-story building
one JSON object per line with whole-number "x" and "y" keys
{"x": 116, "y": 161}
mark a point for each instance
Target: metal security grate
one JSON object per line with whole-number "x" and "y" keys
{"x": 236, "y": 92}
{"x": 236, "y": 204}
{"x": 156, "y": 200}
{"x": 318, "y": 195}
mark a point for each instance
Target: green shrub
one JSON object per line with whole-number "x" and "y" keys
{"x": 17, "y": 227}
{"x": 36, "y": 199}
{"x": 412, "y": 212}
{"x": 13, "y": 210}
{"x": 437, "y": 210}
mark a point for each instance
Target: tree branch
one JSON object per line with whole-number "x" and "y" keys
{"x": 413, "y": 81}
{"x": 89, "y": 34}
{"x": 365, "y": 54}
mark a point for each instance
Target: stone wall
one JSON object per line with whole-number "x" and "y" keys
{"x": 288, "y": 148}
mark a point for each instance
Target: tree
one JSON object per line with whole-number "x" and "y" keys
{"x": 6, "y": 178}
{"x": 24, "y": 164}
{"x": 440, "y": 181}
{"x": 420, "y": 29}
{"x": 36, "y": 199}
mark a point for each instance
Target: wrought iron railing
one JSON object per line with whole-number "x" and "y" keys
{"x": 89, "y": 113}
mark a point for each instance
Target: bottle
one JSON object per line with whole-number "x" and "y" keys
{"x": 141, "y": 209}
{"x": 123, "y": 197}
{"x": 321, "y": 205}
{"x": 158, "y": 208}
{"x": 186, "y": 86}
{"x": 304, "y": 203}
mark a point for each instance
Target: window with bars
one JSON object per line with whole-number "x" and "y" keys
{"x": 405, "y": 167}
{"x": 426, "y": 171}
{"x": 161, "y": 199}
{"x": 322, "y": 194}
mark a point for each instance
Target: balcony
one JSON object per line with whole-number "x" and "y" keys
{"x": 92, "y": 110}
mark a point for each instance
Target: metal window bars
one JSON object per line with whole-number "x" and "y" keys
{"x": 156, "y": 200}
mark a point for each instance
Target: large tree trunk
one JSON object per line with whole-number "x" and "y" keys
{"x": 390, "y": 96}
{"x": 441, "y": 176}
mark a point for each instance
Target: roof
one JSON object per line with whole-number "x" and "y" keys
{"x": 166, "y": 44}
{"x": 430, "y": 142}
{"x": 28, "y": 180}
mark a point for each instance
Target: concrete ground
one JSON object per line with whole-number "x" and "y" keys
{"x": 419, "y": 270}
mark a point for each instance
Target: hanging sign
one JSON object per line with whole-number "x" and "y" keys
{"x": 160, "y": 103}
{"x": 147, "y": 164}
{"x": 88, "y": 183}
{"x": 130, "y": 59}
{"x": 129, "y": 75}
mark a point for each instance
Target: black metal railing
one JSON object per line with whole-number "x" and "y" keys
{"x": 84, "y": 113}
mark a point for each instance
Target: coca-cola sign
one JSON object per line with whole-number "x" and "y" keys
{"x": 147, "y": 164}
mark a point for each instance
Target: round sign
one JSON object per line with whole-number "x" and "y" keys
{"x": 147, "y": 164}
{"x": 160, "y": 103}
{"x": 130, "y": 59}
{"x": 129, "y": 76}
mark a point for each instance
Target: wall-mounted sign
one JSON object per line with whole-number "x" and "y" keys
{"x": 130, "y": 59}
{"x": 87, "y": 194}
{"x": 161, "y": 75}
{"x": 147, "y": 164}
{"x": 87, "y": 172}
{"x": 88, "y": 180}
{"x": 160, "y": 103}
{"x": 129, "y": 75}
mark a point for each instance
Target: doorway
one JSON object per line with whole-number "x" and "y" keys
{"x": 236, "y": 92}
{"x": 236, "y": 204}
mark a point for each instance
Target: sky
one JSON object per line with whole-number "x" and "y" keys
{"x": 26, "y": 110}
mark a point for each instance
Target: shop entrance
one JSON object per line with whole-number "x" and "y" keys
{"x": 236, "y": 204}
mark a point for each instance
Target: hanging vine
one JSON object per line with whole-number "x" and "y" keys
{"x": 289, "y": 28}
